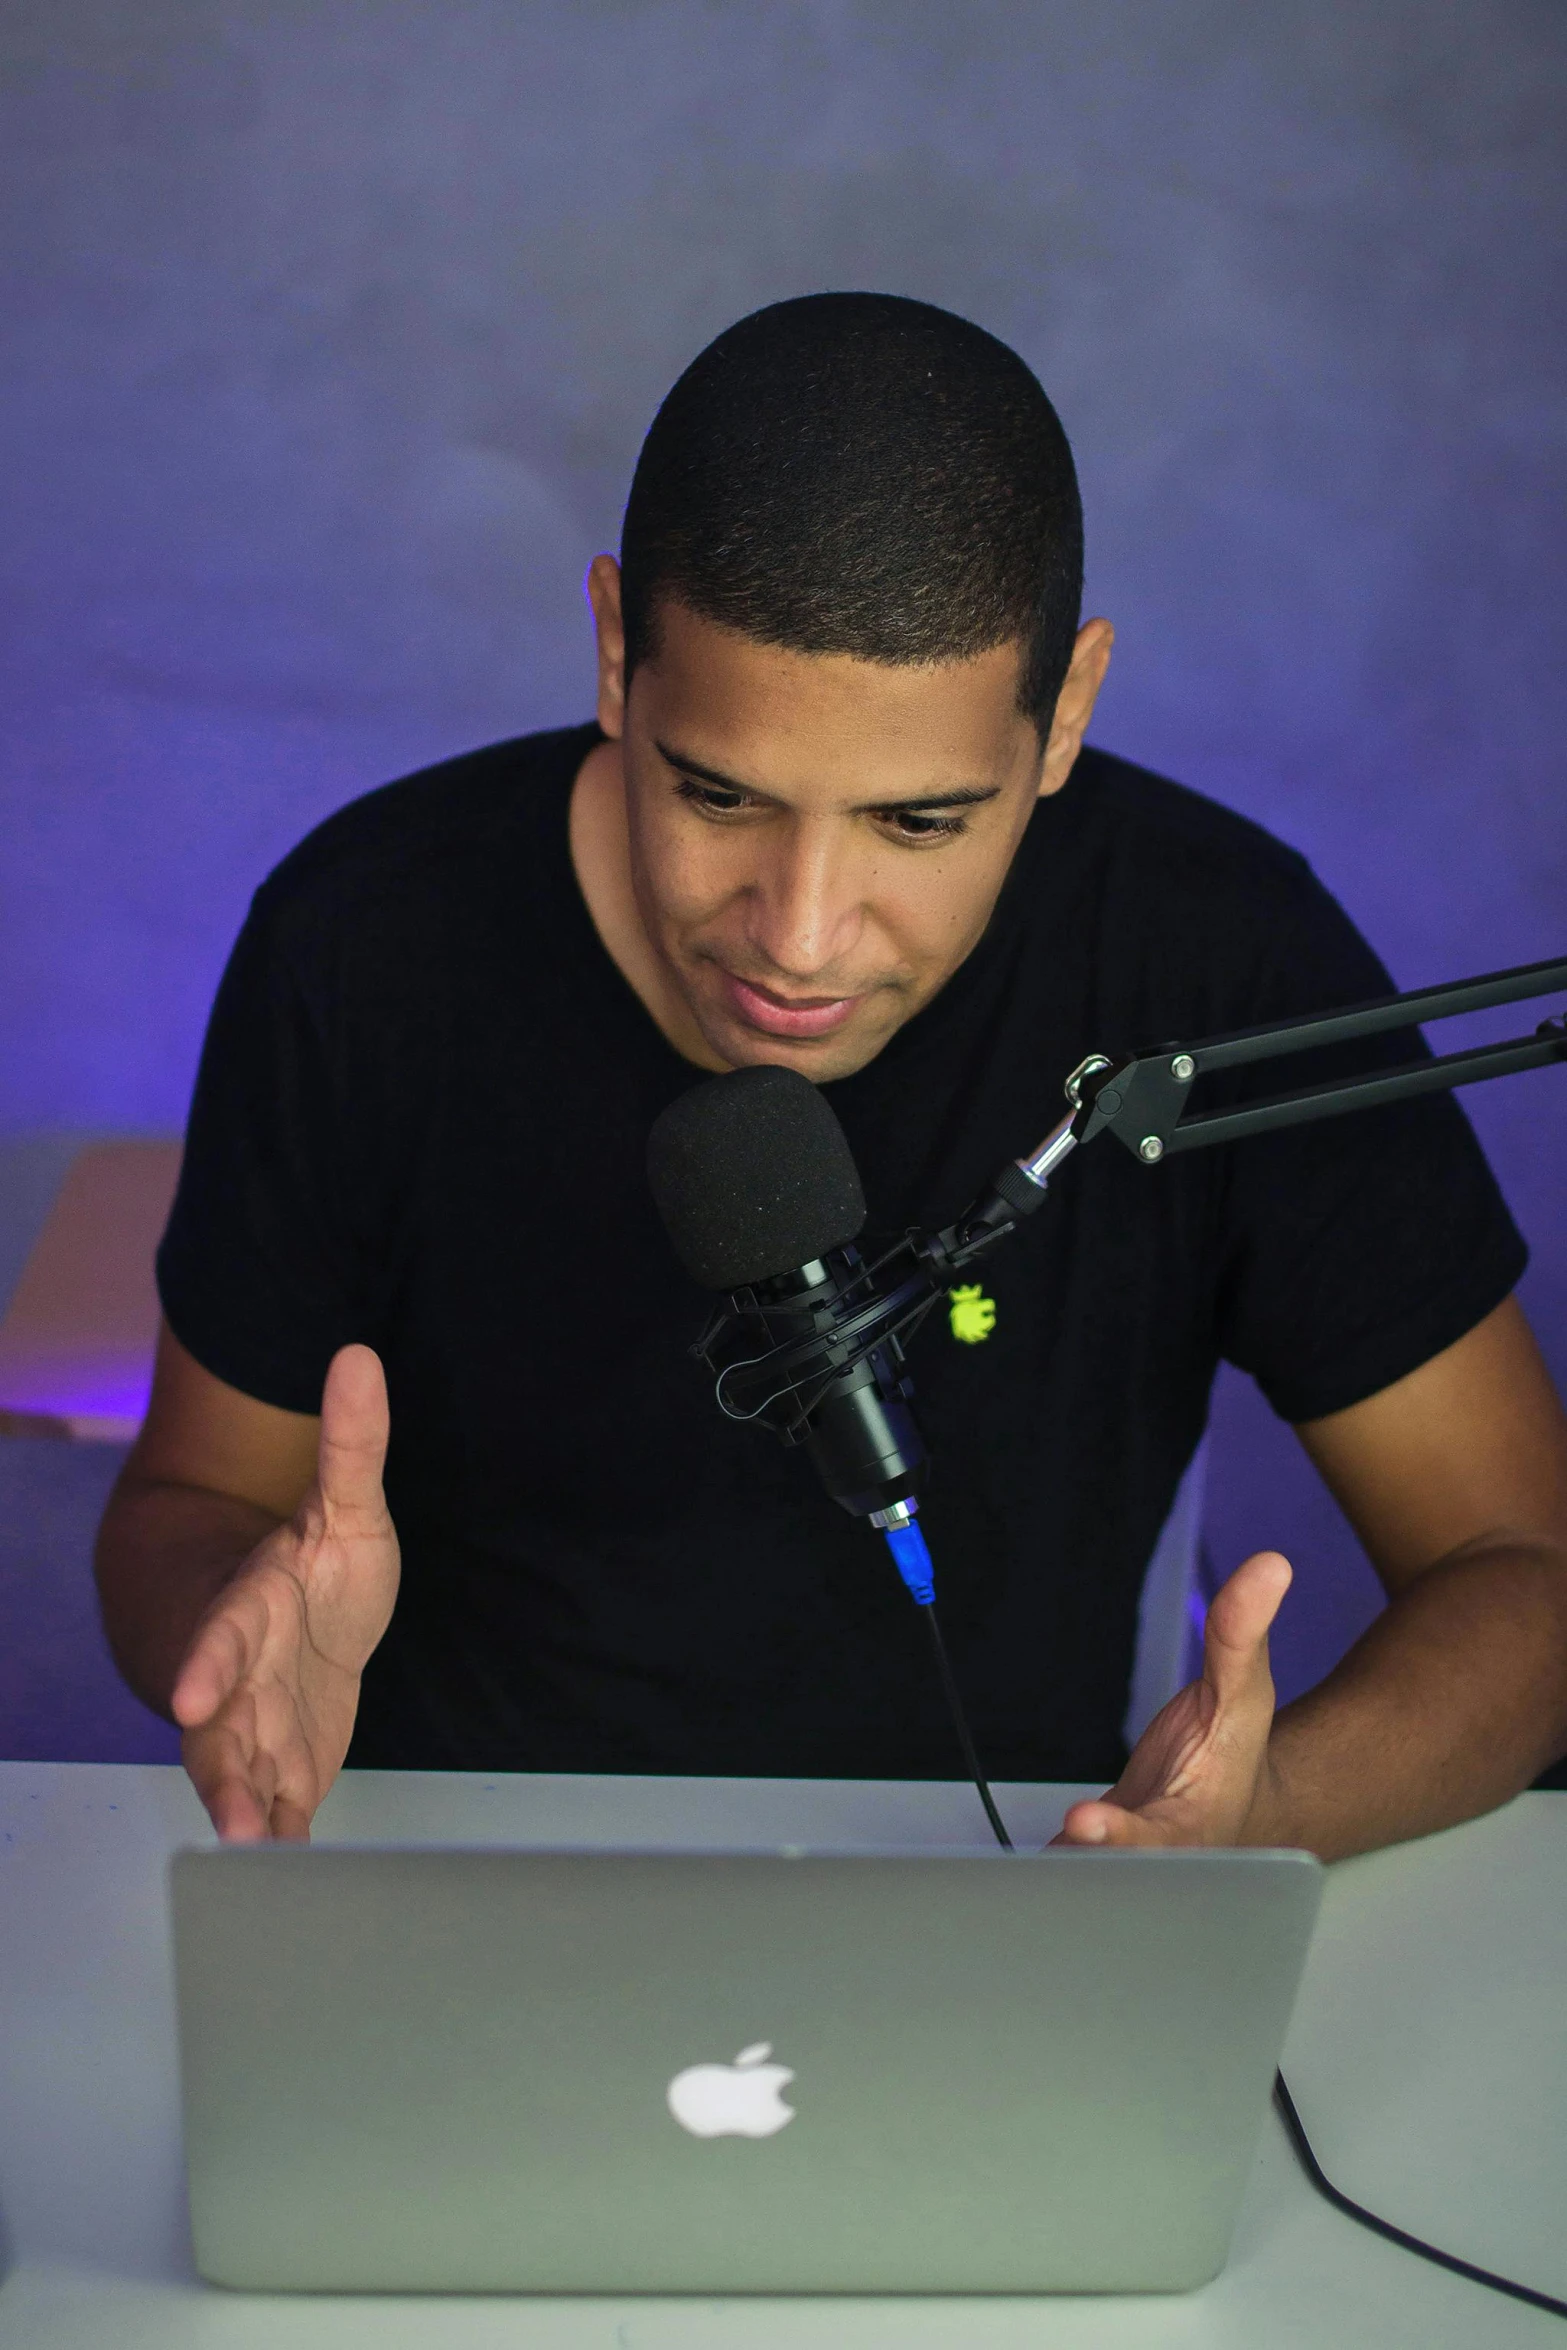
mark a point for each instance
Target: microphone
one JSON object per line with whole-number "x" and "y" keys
{"x": 757, "y": 1188}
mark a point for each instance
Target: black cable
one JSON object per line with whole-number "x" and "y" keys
{"x": 1314, "y": 2171}
{"x": 1295, "y": 2128}
{"x": 960, "y": 1724}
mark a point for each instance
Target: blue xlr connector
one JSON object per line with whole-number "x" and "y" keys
{"x": 907, "y": 1545}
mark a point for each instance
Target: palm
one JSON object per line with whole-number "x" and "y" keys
{"x": 1170, "y": 1754}
{"x": 1194, "y": 1774}
{"x": 270, "y": 1688}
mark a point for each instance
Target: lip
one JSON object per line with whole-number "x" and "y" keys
{"x": 806, "y": 1016}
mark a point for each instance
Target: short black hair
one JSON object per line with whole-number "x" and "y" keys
{"x": 863, "y": 474}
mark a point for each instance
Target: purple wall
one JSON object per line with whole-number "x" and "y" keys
{"x": 329, "y": 335}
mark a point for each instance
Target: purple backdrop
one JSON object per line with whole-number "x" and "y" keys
{"x": 329, "y": 335}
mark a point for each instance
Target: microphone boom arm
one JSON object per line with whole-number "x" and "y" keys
{"x": 1141, "y": 1100}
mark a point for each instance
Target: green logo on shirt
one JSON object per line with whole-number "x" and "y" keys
{"x": 973, "y": 1314}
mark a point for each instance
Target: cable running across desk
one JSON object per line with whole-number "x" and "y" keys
{"x": 1294, "y": 2128}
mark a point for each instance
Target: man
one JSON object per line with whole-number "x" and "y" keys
{"x": 835, "y": 814}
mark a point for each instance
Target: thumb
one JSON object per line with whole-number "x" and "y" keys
{"x": 1235, "y": 1639}
{"x": 355, "y": 1425}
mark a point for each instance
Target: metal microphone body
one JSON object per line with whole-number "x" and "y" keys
{"x": 857, "y": 1425}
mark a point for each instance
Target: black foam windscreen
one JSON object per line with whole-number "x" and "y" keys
{"x": 753, "y": 1177}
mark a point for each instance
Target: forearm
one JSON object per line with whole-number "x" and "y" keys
{"x": 1451, "y": 1702}
{"x": 164, "y": 1553}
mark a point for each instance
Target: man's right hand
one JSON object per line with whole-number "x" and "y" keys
{"x": 268, "y": 1689}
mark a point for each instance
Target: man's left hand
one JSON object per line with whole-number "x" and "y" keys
{"x": 1200, "y": 1774}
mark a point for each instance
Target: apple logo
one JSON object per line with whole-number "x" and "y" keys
{"x": 738, "y": 2100}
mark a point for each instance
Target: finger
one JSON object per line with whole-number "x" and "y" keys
{"x": 1108, "y": 1826}
{"x": 216, "y": 1765}
{"x": 1235, "y": 1638}
{"x": 290, "y": 1822}
{"x": 355, "y": 1424}
{"x": 225, "y": 1648}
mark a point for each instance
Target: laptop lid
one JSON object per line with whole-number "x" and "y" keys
{"x": 728, "y": 2072}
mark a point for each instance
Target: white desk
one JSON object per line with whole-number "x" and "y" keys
{"x": 1428, "y": 2057}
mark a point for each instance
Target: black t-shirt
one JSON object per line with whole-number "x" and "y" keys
{"x": 421, "y": 1120}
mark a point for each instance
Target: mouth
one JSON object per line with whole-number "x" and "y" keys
{"x": 778, "y": 1015}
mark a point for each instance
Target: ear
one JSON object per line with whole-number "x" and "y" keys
{"x": 1074, "y": 703}
{"x": 603, "y": 586}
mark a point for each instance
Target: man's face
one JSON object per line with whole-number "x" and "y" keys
{"x": 816, "y": 841}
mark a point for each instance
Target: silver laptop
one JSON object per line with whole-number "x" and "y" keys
{"x": 613, "y": 2072}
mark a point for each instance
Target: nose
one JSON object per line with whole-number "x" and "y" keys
{"x": 805, "y": 909}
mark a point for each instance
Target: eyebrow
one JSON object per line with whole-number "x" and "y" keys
{"x": 971, "y": 795}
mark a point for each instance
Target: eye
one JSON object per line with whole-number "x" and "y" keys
{"x": 711, "y": 798}
{"x": 913, "y": 824}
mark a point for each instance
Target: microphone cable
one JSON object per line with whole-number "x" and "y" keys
{"x": 907, "y": 1544}
{"x": 960, "y": 1724}
{"x": 905, "y": 1539}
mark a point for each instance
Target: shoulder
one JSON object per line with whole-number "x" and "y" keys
{"x": 1218, "y": 915}
{"x": 439, "y": 829}
{"x": 1168, "y": 833}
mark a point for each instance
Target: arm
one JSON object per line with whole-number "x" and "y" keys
{"x": 1456, "y": 1480}
{"x": 212, "y": 1473}
{"x": 247, "y": 1568}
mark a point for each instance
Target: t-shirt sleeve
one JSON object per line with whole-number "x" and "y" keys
{"x": 256, "y": 1271}
{"x": 1358, "y": 1247}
